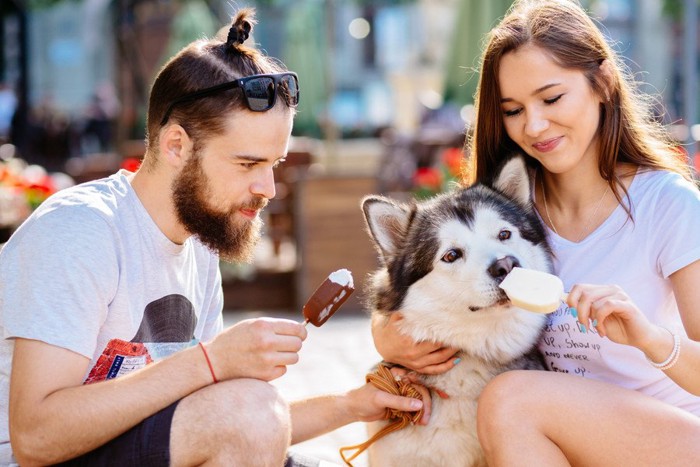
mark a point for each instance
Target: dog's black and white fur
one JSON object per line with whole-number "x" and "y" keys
{"x": 442, "y": 261}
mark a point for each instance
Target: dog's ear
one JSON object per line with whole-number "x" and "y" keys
{"x": 513, "y": 180}
{"x": 387, "y": 222}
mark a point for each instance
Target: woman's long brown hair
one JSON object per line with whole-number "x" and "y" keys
{"x": 628, "y": 130}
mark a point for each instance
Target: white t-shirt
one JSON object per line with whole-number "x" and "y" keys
{"x": 89, "y": 271}
{"x": 639, "y": 256}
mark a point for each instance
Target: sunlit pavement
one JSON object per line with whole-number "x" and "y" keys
{"x": 334, "y": 358}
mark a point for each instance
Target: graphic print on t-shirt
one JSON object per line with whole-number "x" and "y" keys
{"x": 168, "y": 319}
{"x": 566, "y": 345}
{"x": 167, "y": 326}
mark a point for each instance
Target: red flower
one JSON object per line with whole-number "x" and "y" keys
{"x": 131, "y": 164}
{"x": 453, "y": 159}
{"x": 428, "y": 177}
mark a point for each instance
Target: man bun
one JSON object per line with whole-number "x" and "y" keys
{"x": 241, "y": 28}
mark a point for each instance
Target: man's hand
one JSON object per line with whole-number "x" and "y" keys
{"x": 318, "y": 415}
{"x": 369, "y": 403}
{"x": 256, "y": 348}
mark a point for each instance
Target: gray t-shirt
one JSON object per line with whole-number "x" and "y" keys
{"x": 90, "y": 271}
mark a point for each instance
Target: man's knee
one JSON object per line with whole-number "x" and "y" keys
{"x": 251, "y": 408}
{"x": 244, "y": 417}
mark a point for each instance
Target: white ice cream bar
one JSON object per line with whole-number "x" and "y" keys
{"x": 534, "y": 291}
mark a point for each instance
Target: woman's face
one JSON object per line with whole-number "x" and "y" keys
{"x": 551, "y": 112}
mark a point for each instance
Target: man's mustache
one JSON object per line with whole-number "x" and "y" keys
{"x": 256, "y": 204}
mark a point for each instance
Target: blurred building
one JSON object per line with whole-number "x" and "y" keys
{"x": 386, "y": 89}
{"x": 368, "y": 64}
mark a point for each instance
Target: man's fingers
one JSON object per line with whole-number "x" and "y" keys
{"x": 404, "y": 404}
{"x": 288, "y": 327}
{"x": 427, "y": 403}
{"x": 286, "y": 343}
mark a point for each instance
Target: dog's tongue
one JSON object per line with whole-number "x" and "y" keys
{"x": 329, "y": 296}
{"x": 534, "y": 291}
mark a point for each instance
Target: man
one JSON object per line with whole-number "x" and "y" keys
{"x": 107, "y": 278}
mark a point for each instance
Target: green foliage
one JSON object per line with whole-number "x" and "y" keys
{"x": 38, "y": 4}
{"x": 375, "y": 3}
{"x": 674, "y": 9}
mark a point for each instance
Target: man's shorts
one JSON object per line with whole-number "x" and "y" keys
{"x": 148, "y": 443}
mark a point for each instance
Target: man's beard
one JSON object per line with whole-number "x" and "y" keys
{"x": 218, "y": 230}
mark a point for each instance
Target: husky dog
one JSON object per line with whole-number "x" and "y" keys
{"x": 443, "y": 260}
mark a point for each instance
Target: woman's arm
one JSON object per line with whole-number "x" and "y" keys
{"x": 686, "y": 373}
{"x": 395, "y": 347}
{"x": 619, "y": 319}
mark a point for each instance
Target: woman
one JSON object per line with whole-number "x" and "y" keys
{"x": 623, "y": 218}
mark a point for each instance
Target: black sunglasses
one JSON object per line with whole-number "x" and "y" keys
{"x": 260, "y": 92}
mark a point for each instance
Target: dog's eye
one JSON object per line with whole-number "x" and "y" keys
{"x": 451, "y": 256}
{"x": 504, "y": 235}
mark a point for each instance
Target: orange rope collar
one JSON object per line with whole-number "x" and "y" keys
{"x": 383, "y": 379}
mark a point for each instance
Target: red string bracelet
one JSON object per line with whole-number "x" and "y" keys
{"x": 211, "y": 368}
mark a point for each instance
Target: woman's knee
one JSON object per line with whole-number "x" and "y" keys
{"x": 504, "y": 390}
{"x": 508, "y": 399}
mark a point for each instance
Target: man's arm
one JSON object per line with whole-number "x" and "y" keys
{"x": 319, "y": 415}
{"x": 53, "y": 417}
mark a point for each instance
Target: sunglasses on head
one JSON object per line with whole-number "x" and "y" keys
{"x": 259, "y": 91}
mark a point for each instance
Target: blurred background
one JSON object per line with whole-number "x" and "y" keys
{"x": 386, "y": 101}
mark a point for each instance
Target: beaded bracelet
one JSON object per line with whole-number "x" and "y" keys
{"x": 673, "y": 358}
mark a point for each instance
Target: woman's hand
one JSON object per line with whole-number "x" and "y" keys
{"x": 612, "y": 313}
{"x": 424, "y": 357}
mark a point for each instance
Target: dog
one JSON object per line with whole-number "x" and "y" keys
{"x": 442, "y": 261}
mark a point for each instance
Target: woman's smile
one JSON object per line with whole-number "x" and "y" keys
{"x": 548, "y": 145}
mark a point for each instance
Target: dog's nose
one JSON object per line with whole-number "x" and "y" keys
{"x": 500, "y": 268}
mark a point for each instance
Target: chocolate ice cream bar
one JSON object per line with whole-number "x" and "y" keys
{"x": 329, "y": 296}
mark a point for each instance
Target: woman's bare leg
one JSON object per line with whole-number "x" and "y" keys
{"x": 547, "y": 418}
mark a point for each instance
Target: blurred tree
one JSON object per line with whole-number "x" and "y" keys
{"x": 306, "y": 52}
{"x": 474, "y": 19}
{"x": 194, "y": 21}
{"x": 674, "y": 9}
